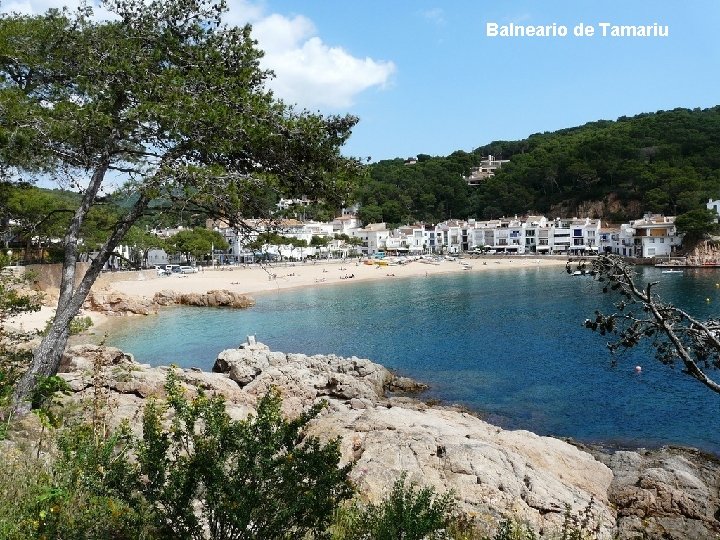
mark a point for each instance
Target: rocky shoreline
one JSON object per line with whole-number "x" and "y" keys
{"x": 666, "y": 493}
{"x": 110, "y": 302}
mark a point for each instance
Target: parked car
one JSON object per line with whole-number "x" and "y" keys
{"x": 188, "y": 269}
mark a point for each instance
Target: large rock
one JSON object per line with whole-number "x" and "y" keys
{"x": 214, "y": 298}
{"x": 492, "y": 472}
{"x": 256, "y": 369}
{"x": 669, "y": 493}
{"x": 115, "y": 303}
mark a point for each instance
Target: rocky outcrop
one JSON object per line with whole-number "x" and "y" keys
{"x": 216, "y": 298}
{"x": 670, "y": 493}
{"x": 115, "y": 303}
{"x": 492, "y": 472}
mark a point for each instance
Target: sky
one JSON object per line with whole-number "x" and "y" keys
{"x": 424, "y": 77}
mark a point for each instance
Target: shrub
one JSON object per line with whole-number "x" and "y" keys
{"x": 259, "y": 478}
{"x": 408, "y": 513}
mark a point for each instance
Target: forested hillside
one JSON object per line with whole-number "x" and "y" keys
{"x": 666, "y": 162}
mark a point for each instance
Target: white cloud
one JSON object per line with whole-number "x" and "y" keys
{"x": 308, "y": 72}
{"x": 315, "y": 75}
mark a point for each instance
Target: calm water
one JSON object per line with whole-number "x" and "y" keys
{"x": 508, "y": 344}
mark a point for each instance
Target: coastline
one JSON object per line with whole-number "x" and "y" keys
{"x": 256, "y": 279}
{"x": 439, "y": 444}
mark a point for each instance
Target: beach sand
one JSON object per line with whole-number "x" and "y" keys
{"x": 254, "y": 279}
{"x": 269, "y": 278}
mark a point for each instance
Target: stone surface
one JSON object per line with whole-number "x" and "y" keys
{"x": 215, "y": 298}
{"x": 492, "y": 472}
{"x": 115, "y": 303}
{"x": 670, "y": 493}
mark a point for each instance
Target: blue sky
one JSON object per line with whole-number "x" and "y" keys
{"x": 424, "y": 78}
{"x": 454, "y": 88}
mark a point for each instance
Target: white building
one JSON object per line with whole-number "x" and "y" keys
{"x": 714, "y": 206}
{"x": 373, "y": 236}
{"x": 345, "y": 223}
{"x": 652, "y": 236}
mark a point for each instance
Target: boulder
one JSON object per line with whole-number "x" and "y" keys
{"x": 492, "y": 472}
{"x": 406, "y": 385}
{"x": 166, "y": 297}
{"x": 216, "y": 298}
{"x": 115, "y": 303}
{"x": 668, "y": 493}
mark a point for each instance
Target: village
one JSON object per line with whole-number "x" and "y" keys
{"x": 650, "y": 237}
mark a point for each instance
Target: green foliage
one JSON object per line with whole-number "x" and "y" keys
{"x": 36, "y": 216}
{"x": 44, "y": 396}
{"x": 697, "y": 224}
{"x": 78, "y": 325}
{"x": 39, "y": 501}
{"x": 14, "y": 351}
{"x": 204, "y": 476}
{"x": 141, "y": 242}
{"x": 409, "y": 513}
{"x": 259, "y": 478}
{"x": 513, "y": 530}
{"x": 197, "y": 242}
{"x": 430, "y": 190}
{"x": 275, "y": 239}
{"x": 579, "y": 526}
{"x": 666, "y": 162}
{"x": 319, "y": 241}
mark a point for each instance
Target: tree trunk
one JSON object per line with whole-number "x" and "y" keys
{"x": 47, "y": 357}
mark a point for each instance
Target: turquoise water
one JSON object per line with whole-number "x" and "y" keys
{"x": 508, "y": 344}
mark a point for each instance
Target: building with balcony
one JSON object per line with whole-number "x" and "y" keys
{"x": 486, "y": 170}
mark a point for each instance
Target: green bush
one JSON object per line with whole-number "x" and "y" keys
{"x": 408, "y": 513}
{"x": 77, "y": 325}
{"x": 259, "y": 478}
{"x": 201, "y": 476}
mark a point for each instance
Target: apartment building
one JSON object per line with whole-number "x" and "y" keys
{"x": 652, "y": 236}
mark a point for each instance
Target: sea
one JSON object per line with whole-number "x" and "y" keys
{"x": 509, "y": 345}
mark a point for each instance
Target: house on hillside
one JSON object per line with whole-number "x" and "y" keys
{"x": 652, "y": 236}
{"x": 714, "y": 206}
{"x": 486, "y": 170}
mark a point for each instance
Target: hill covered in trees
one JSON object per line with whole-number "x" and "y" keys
{"x": 666, "y": 162}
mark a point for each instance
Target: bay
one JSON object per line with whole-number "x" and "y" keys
{"x": 508, "y": 345}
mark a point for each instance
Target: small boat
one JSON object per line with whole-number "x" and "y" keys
{"x": 672, "y": 271}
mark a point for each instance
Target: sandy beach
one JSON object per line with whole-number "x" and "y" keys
{"x": 256, "y": 279}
